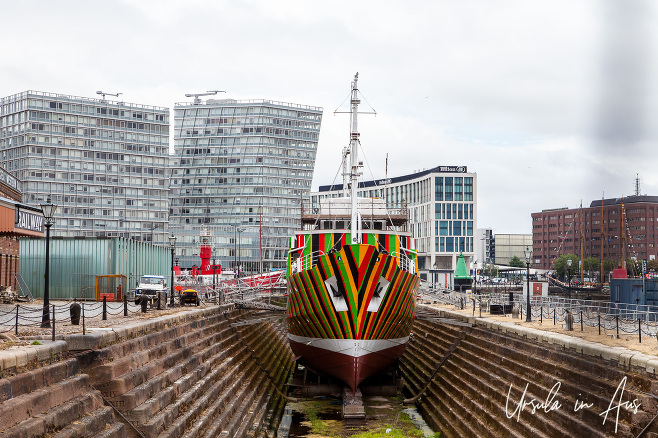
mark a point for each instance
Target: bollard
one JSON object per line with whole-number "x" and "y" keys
{"x": 16, "y": 319}
{"x": 599, "y": 318}
{"x": 581, "y": 320}
{"x": 171, "y": 300}
{"x": 125, "y": 305}
{"x": 104, "y": 307}
{"x": 617, "y": 321}
{"x": 75, "y": 314}
{"x": 144, "y": 302}
{"x": 159, "y": 297}
{"x": 473, "y": 306}
{"x": 53, "y": 323}
{"x": 541, "y": 315}
{"x": 84, "y": 331}
{"x": 568, "y": 321}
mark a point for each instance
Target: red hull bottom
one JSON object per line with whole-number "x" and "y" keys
{"x": 351, "y": 369}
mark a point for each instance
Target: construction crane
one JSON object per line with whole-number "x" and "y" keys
{"x": 108, "y": 94}
{"x": 196, "y": 96}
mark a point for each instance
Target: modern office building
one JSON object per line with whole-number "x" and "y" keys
{"x": 614, "y": 229}
{"x": 240, "y": 172}
{"x": 103, "y": 163}
{"x": 510, "y": 245}
{"x": 442, "y": 208}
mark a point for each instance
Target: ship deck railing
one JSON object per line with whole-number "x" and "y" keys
{"x": 405, "y": 262}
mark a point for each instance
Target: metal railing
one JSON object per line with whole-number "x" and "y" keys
{"x": 405, "y": 262}
{"x": 612, "y": 319}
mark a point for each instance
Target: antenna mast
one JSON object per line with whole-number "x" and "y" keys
{"x": 637, "y": 184}
{"x": 354, "y": 157}
{"x": 196, "y": 96}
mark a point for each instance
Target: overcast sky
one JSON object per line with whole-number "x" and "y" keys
{"x": 549, "y": 102}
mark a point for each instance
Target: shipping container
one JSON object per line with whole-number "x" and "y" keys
{"x": 75, "y": 262}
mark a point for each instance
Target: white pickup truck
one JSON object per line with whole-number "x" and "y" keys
{"x": 149, "y": 286}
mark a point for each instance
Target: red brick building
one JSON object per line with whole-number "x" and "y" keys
{"x": 629, "y": 223}
{"x": 16, "y": 220}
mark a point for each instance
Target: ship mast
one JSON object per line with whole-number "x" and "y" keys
{"x": 602, "y": 236}
{"x": 582, "y": 261}
{"x": 354, "y": 157}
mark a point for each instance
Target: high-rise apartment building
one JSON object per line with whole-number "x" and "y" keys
{"x": 441, "y": 204}
{"x": 240, "y": 171}
{"x": 103, "y": 163}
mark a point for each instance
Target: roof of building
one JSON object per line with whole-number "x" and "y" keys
{"x": 398, "y": 179}
{"x": 626, "y": 200}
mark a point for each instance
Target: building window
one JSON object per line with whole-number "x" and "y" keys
{"x": 438, "y": 189}
{"x": 459, "y": 189}
{"x": 448, "y": 189}
{"x": 468, "y": 189}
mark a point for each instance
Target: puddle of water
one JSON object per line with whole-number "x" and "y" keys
{"x": 300, "y": 426}
{"x": 417, "y": 419}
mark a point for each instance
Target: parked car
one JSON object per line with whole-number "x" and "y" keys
{"x": 189, "y": 296}
{"x": 149, "y": 286}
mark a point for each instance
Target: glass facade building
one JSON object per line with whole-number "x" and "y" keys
{"x": 103, "y": 163}
{"x": 442, "y": 207}
{"x": 239, "y": 174}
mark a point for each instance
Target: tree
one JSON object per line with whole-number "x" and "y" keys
{"x": 608, "y": 266}
{"x": 633, "y": 268}
{"x": 591, "y": 264}
{"x": 652, "y": 265}
{"x": 516, "y": 262}
{"x": 561, "y": 264}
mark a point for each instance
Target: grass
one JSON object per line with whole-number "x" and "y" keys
{"x": 391, "y": 432}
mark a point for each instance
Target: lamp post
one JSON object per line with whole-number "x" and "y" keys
{"x": 569, "y": 262}
{"x": 48, "y": 220}
{"x": 434, "y": 277}
{"x": 240, "y": 230}
{"x": 172, "y": 246}
{"x": 528, "y": 257}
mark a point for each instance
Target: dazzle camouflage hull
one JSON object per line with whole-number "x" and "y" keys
{"x": 350, "y": 311}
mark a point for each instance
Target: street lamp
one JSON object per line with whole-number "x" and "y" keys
{"x": 48, "y": 210}
{"x": 240, "y": 230}
{"x": 528, "y": 256}
{"x": 434, "y": 277}
{"x": 569, "y": 262}
{"x": 172, "y": 246}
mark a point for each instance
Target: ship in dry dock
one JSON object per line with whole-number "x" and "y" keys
{"x": 352, "y": 279}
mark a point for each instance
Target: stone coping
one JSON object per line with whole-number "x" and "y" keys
{"x": 621, "y": 355}
{"x": 16, "y": 358}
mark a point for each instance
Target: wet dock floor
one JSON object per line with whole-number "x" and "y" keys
{"x": 320, "y": 417}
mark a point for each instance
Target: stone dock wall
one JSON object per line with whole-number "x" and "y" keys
{"x": 202, "y": 374}
{"x": 568, "y": 381}
{"x": 196, "y": 374}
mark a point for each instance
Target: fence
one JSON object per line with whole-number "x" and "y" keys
{"x": 28, "y": 318}
{"x": 614, "y": 319}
